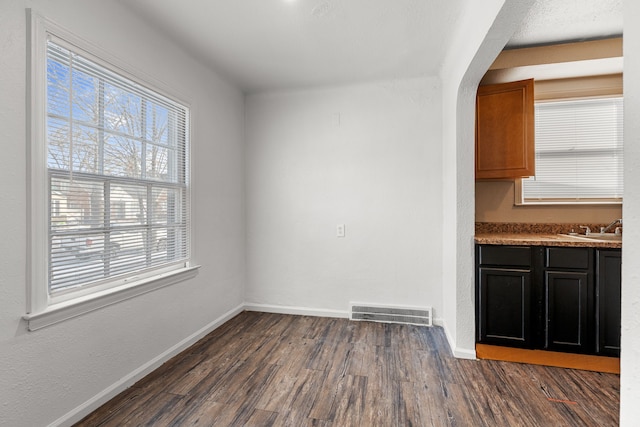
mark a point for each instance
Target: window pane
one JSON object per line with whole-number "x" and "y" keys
{"x": 578, "y": 151}
{"x": 157, "y": 122}
{"x": 167, "y": 203}
{"x": 76, "y": 259}
{"x": 122, "y": 157}
{"x": 85, "y": 97}
{"x": 158, "y": 162}
{"x": 111, "y": 143}
{"x": 123, "y": 111}
{"x": 79, "y": 204}
{"x": 58, "y": 147}
{"x": 85, "y": 149}
{"x": 128, "y": 205}
{"x": 57, "y": 88}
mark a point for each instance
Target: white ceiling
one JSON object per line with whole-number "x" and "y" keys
{"x": 272, "y": 44}
{"x": 265, "y": 44}
{"x": 554, "y": 21}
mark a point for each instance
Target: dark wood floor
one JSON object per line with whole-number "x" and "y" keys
{"x": 267, "y": 369}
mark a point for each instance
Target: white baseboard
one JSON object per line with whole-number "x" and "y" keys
{"x": 112, "y": 391}
{"x": 459, "y": 353}
{"x": 303, "y": 311}
{"x": 464, "y": 353}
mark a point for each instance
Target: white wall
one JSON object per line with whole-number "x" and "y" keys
{"x": 54, "y": 371}
{"x": 377, "y": 170}
{"x": 482, "y": 33}
{"x": 630, "y": 359}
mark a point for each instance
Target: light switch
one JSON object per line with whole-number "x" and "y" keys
{"x": 340, "y": 230}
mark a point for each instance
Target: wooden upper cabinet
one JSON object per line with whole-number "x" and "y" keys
{"x": 505, "y": 131}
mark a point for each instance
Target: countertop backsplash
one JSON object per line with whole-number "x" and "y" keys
{"x": 533, "y": 228}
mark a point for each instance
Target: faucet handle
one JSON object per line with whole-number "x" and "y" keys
{"x": 587, "y": 230}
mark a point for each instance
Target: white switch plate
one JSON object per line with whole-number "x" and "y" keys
{"x": 340, "y": 230}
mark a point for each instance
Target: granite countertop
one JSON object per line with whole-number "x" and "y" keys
{"x": 538, "y": 235}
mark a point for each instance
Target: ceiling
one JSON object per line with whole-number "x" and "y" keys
{"x": 275, "y": 44}
{"x": 556, "y": 21}
{"x": 266, "y": 44}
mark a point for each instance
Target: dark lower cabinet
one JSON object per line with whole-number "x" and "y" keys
{"x": 566, "y": 311}
{"x": 608, "y": 271}
{"x": 505, "y": 301}
{"x": 568, "y": 299}
{"x": 560, "y": 299}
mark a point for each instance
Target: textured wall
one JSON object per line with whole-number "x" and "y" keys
{"x": 630, "y": 362}
{"x": 365, "y": 155}
{"x": 482, "y": 33}
{"x": 48, "y": 373}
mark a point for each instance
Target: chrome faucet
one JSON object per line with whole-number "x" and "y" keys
{"x": 608, "y": 227}
{"x": 586, "y": 229}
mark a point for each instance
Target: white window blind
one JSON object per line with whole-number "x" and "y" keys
{"x": 579, "y": 153}
{"x": 117, "y": 174}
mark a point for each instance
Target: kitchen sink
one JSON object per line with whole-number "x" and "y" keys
{"x": 609, "y": 237}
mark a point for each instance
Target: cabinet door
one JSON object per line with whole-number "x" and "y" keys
{"x": 504, "y": 307}
{"x": 505, "y": 130}
{"x": 608, "y": 281}
{"x": 566, "y": 311}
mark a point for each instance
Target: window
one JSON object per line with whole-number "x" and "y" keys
{"x": 579, "y": 152}
{"x": 109, "y": 166}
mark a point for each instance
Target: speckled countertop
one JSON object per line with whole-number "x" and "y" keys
{"x": 538, "y": 235}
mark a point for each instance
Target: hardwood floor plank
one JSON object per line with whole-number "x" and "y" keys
{"x": 207, "y": 388}
{"x": 295, "y": 410}
{"x": 171, "y": 371}
{"x": 324, "y": 405}
{"x": 255, "y": 417}
{"x": 156, "y": 411}
{"x": 329, "y": 330}
{"x": 371, "y": 333}
{"x": 351, "y": 406}
{"x": 293, "y": 352}
{"x": 280, "y": 399}
{"x": 262, "y": 369}
{"x": 249, "y": 391}
{"x": 117, "y": 408}
{"x": 208, "y": 413}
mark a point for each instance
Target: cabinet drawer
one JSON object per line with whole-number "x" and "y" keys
{"x": 570, "y": 258}
{"x": 510, "y": 256}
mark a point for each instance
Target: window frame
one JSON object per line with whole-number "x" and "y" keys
{"x": 43, "y": 309}
{"x": 519, "y": 196}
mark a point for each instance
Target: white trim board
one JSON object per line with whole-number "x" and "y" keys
{"x": 317, "y": 312}
{"x": 77, "y": 307}
{"x": 458, "y": 353}
{"x": 302, "y": 311}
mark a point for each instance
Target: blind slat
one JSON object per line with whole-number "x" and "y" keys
{"x": 579, "y": 153}
{"x": 117, "y": 159}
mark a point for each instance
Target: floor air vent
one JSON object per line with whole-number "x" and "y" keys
{"x": 390, "y": 314}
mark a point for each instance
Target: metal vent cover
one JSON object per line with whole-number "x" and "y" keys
{"x": 391, "y": 314}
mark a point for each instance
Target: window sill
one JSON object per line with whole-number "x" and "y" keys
{"x": 569, "y": 203}
{"x": 60, "y": 312}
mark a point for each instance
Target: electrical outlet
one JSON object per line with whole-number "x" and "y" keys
{"x": 340, "y": 230}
